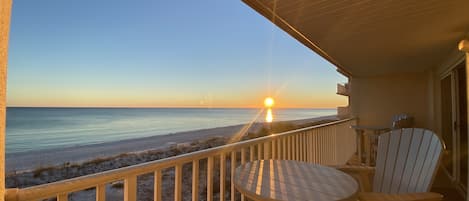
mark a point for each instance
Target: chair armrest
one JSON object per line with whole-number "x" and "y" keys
{"x": 400, "y": 197}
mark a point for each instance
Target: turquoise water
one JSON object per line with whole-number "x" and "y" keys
{"x": 45, "y": 128}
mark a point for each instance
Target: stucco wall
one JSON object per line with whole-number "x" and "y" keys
{"x": 376, "y": 99}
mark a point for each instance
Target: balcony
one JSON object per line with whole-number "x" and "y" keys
{"x": 206, "y": 174}
{"x": 343, "y": 111}
{"x": 343, "y": 89}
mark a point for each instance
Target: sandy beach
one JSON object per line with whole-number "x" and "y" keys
{"x": 34, "y": 159}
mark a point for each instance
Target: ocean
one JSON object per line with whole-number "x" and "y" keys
{"x": 30, "y": 129}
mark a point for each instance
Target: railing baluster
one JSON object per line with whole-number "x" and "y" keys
{"x": 233, "y": 168}
{"x": 222, "y": 176}
{"x": 274, "y": 149}
{"x": 319, "y": 144}
{"x": 157, "y": 185}
{"x": 195, "y": 180}
{"x": 306, "y": 147}
{"x": 178, "y": 182}
{"x": 310, "y": 147}
{"x": 251, "y": 153}
{"x": 327, "y": 137}
{"x": 279, "y": 148}
{"x": 266, "y": 150}
{"x": 101, "y": 192}
{"x": 62, "y": 197}
{"x": 316, "y": 145}
{"x": 243, "y": 156}
{"x": 259, "y": 151}
{"x": 297, "y": 148}
{"x": 130, "y": 188}
{"x": 322, "y": 145}
{"x": 210, "y": 178}
{"x": 284, "y": 148}
{"x": 243, "y": 160}
{"x": 302, "y": 148}
{"x": 293, "y": 147}
{"x": 289, "y": 150}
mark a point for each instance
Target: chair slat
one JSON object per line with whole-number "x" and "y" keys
{"x": 434, "y": 165}
{"x": 380, "y": 162}
{"x": 411, "y": 159}
{"x": 426, "y": 140}
{"x": 404, "y": 148}
{"x": 394, "y": 143}
{"x": 427, "y": 166}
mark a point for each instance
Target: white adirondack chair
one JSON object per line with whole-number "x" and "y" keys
{"x": 406, "y": 165}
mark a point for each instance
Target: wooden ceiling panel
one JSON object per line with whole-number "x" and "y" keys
{"x": 367, "y": 38}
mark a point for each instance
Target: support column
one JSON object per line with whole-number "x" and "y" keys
{"x": 464, "y": 46}
{"x": 5, "y": 12}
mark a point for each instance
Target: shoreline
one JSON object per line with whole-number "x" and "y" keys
{"x": 25, "y": 161}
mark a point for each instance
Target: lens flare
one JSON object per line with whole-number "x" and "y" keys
{"x": 269, "y": 102}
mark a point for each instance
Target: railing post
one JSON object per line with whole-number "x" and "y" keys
{"x": 5, "y": 12}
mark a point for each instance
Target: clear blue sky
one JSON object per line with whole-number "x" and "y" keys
{"x": 210, "y": 53}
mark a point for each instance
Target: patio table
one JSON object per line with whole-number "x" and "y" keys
{"x": 293, "y": 180}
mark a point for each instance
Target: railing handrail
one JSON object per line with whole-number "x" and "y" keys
{"x": 92, "y": 180}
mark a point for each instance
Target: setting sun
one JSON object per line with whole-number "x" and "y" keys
{"x": 269, "y": 102}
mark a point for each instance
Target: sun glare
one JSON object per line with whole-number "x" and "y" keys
{"x": 269, "y": 117}
{"x": 269, "y": 102}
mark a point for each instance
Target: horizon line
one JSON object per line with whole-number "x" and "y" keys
{"x": 164, "y": 107}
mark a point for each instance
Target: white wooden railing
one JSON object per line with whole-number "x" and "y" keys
{"x": 329, "y": 144}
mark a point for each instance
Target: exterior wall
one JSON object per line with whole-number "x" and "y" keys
{"x": 375, "y": 100}
{"x": 5, "y": 11}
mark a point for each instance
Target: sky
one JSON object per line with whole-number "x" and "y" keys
{"x": 151, "y": 53}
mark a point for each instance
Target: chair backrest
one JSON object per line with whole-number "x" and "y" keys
{"x": 407, "y": 161}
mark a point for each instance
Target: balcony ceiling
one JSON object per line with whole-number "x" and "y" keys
{"x": 368, "y": 38}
